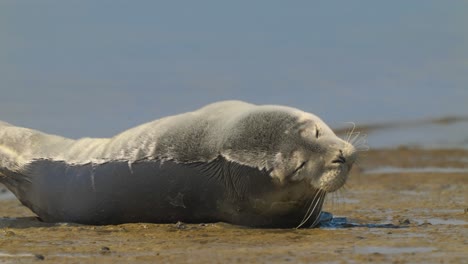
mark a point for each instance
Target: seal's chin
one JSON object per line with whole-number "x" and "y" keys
{"x": 332, "y": 179}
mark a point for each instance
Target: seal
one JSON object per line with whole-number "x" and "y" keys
{"x": 231, "y": 161}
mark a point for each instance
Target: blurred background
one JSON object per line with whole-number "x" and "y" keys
{"x": 95, "y": 68}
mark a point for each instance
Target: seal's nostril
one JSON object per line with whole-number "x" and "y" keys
{"x": 343, "y": 159}
{"x": 340, "y": 159}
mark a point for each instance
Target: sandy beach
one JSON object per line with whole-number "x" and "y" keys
{"x": 403, "y": 205}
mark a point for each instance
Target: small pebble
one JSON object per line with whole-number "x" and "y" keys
{"x": 426, "y": 223}
{"x": 180, "y": 225}
{"x": 10, "y": 233}
{"x": 105, "y": 250}
{"x": 405, "y": 221}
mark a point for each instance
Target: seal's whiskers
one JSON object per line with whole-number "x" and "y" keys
{"x": 360, "y": 143}
{"x": 356, "y": 138}
{"x": 308, "y": 210}
{"x": 351, "y": 131}
{"x": 318, "y": 199}
{"x": 319, "y": 208}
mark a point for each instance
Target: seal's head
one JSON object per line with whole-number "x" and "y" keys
{"x": 315, "y": 155}
{"x": 301, "y": 154}
{"x": 294, "y": 146}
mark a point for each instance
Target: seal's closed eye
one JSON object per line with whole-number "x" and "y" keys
{"x": 300, "y": 167}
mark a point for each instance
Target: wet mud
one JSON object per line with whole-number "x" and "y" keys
{"x": 415, "y": 212}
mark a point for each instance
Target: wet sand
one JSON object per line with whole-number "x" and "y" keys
{"x": 403, "y": 205}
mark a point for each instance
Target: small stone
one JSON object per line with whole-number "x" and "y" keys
{"x": 9, "y": 233}
{"x": 426, "y": 223}
{"x": 39, "y": 257}
{"x": 105, "y": 250}
{"x": 405, "y": 221}
{"x": 180, "y": 225}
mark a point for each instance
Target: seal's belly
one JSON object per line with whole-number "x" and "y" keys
{"x": 155, "y": 191}
{"x": 114, "y": 192}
